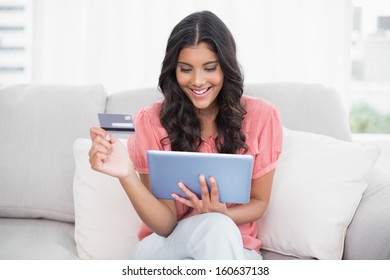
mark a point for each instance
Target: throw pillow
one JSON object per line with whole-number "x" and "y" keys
{"x": 106, "y": 224}
{"x": 318, "y": 184}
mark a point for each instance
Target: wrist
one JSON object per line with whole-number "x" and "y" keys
{"x": 226, "y": 211}
{"x": 129, "y": 177}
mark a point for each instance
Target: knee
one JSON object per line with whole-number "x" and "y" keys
{"x": 216, "y": 236}
{"x": 218, "y": 219}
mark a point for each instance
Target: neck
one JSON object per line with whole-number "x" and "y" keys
{"x": 208, "y": 123}
{"x": 209, "y": 114}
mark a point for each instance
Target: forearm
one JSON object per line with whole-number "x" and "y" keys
{"x": 153, "y": 212}
{"x": 258, "y": 203}
{"x": 245, "y": 213}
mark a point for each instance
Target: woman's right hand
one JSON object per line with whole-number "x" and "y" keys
{"x": 108, "y": 155}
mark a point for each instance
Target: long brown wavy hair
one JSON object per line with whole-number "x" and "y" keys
{"x": 178, "y": 115}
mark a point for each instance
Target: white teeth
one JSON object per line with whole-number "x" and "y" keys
{"x": 200, "y": 92}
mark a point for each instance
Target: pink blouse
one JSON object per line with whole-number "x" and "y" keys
{"x": 261, "y": 126}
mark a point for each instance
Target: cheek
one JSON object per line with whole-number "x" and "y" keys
{"x": 181, "y": 79}
{"x": 217, "y": 79}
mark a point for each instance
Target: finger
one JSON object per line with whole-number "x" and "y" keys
{"x": 182, "y": 200}
{"x": 99, "y": 140}
{"x": 204, "y": 190}
{"x": 190, "y": 195}
{"x": 99, "y": 145}
{"x": 98, "y": 133}
{"x": 214, "y": 194}
{"x": 111, "y": 138}
{"x": 95, "y": 131}
{"x": 97, "y": 161}
{"x": 99, "y": 148}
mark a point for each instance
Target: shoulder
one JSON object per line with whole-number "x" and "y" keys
{"x": 148, "y": 128}
{"x": 258, "y": 108}
{"x": 149, "y": 114}
{"x": 263, "y": 129}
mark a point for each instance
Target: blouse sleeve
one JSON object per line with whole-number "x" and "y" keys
{"x": 148, "y": 132}
{"x": 269, "y": 145}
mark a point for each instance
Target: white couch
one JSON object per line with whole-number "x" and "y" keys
{"x": 47, "y": 192}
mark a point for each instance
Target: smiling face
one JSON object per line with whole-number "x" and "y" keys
{"x": 200, "y": 77}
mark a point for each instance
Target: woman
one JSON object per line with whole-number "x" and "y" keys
{"x": 203, "y": 110}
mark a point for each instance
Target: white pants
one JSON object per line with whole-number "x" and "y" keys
{"x": 201, "y": 237}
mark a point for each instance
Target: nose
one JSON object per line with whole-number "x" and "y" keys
{"x": 198, "y": 79}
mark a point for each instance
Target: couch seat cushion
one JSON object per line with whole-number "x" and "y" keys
{"x": 36, "y": 239}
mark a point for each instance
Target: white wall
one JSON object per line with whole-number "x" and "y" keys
{"x": 121, "y": 43}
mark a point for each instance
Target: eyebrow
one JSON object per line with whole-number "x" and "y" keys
{"x": 204, "y": 64}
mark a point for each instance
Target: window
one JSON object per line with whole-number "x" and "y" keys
{"x": 15, "y": 26}
{"x": 370, "y": 67}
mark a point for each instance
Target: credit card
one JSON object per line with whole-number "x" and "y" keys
{"x": 117, "y": 123}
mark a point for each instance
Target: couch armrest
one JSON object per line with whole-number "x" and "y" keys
{"x": 368, "y": 235}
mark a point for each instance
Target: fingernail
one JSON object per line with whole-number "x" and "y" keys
{"x": 201, "y": 177}
{"x": 107, "y": 137}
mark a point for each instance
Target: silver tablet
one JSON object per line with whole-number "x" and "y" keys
{"x": 232, "y": 172}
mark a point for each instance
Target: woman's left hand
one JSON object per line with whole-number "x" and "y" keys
{"x": 210, "y": 199}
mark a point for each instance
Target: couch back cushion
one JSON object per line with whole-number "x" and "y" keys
{"x": 130, "y": 101}
{"x": 305, "y": 107}
{"x": 38, "y": 126}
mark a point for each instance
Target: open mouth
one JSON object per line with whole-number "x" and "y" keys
{"x": 201, "y": 91}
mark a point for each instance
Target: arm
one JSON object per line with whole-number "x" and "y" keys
{"x": 158, "y": 215}
{"x": 109, "y": 156}
{"x": 260, "y": 196}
